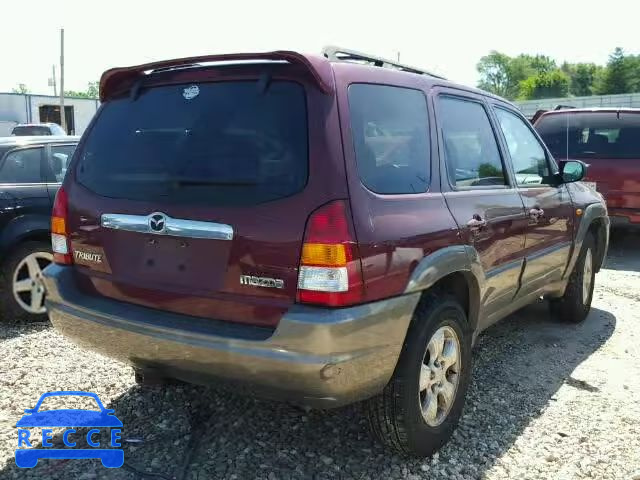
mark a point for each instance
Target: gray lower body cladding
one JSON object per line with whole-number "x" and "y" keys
{"x": 316, "y": 356}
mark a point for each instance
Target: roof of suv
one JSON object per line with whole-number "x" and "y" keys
{"x": 321, "y": 68}
{"x": 43, "y": 124}
{"x": 27, "y": 140}
{"x": 592, "y": 110}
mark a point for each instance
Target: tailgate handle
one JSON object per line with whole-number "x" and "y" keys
{"x": 158, "y": 223}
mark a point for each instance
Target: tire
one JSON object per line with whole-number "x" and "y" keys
{"x": 17, "y": 267}
{"x": 574, "y": 305}
{"x": 396, "y": 415}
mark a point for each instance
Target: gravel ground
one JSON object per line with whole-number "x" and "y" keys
{"x": 547, "y": 401}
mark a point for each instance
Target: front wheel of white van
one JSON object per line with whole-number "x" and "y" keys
{"x": 420, "y": 407}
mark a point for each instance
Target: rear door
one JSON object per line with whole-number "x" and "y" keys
{"x": 480, "y": 195}
{"x": 21, "y": 179}
{"x": 610, "y": 143}
{"x": 194, "y": 196}
{"x": 548, "y": 205}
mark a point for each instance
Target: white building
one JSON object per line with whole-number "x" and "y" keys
{"x": 27, "y": 108}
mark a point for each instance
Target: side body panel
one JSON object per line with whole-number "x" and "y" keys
{"x": 549, "y": 237}
{"x": 394, "y": 232}
{"x": 497, "y": 246}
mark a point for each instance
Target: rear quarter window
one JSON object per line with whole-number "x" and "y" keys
{"x": 224, "y": 143}
{"x": 29, "y": 130}
{"x": 390, "y": 129}
{"x": 599, "y": 135}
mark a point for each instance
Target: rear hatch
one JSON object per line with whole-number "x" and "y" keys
{"x": 192, "y": 195}
{"x": 609, "y": 141}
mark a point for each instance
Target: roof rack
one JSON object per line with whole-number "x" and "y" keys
{"x": 338, "y": 54}
{"x": 564, "y": 107}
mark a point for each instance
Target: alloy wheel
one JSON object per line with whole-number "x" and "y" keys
{"x": 440, "y": 375}
{"x": 28, "y": 288}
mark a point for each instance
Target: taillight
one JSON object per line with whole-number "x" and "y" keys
{"x": 59, "y": 234}
{"x": 330, "y": 270}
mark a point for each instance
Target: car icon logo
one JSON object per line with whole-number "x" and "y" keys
{"x": 157, "y": 222}
{"x": 69, "y": 418}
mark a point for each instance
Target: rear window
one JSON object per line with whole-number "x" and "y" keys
{"x": 226, "y": 143}
{"x": 28, "y": 130}
{"x": 391, "y": 138}
{"x": 592, "y": 135}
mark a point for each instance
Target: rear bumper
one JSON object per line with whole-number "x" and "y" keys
{"x": 317, "y": 357}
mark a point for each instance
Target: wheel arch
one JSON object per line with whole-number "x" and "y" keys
{"x": 23, "y": 229}
{"x": 599, "y": 229}
{"x": 594, "y": 221}
{"x": 454, "y": 270}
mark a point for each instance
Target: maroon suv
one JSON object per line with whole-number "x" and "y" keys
{"x": 322, "y": 229}
{"x": 608, "y": 139}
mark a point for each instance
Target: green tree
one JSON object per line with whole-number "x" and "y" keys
{"x": 21, "y": 88}
{"x": 502, "y": 74}
{"x": 545, "y": 85}
{"x": 93, "y": 89}
{"x": 536, "y": 63}
{"x": 91, "y": 92}
{"x": 633, "y": 64}
{"x": 582, "y": 77}
{"x": 616, "y": 78}
{"x": 495, "y": 75}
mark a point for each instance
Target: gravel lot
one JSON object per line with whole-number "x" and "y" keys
{"x": 547, "y": 401}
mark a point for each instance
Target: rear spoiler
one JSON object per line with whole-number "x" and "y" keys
{"x": 116, "y": 79}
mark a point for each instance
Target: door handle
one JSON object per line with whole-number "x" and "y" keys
{"x": 536, "y": 213}
{"x": 476, "y": 223}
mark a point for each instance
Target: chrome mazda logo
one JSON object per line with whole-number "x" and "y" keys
{"x": 157, "y": 222}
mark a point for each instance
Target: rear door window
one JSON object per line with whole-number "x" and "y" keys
{"x": 390, "y": 129}
{"x": 28, "y": 130}
{"x": 224, "y": 143}
{"x": 598, "y": 135}
{"x": 470, "y": 146}
{"x": 22, "y": 166}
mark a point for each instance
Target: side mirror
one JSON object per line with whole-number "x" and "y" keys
{"x": 572, "y": 171}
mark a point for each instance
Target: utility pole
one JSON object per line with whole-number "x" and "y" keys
{"x": 63, "y": 120}
{"x": 398, "y": 60}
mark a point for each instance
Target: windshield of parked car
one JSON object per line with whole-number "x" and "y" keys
{"x": 605, "y": 135}
{"x": 28, "y": 130}
{"x": 225, "y": 143}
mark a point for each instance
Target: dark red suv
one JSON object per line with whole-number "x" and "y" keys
{"x": 608, "y": 139}
{"x": 322, "y": 229}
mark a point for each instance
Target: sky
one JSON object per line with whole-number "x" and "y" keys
{"x": 447, "y": 37}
